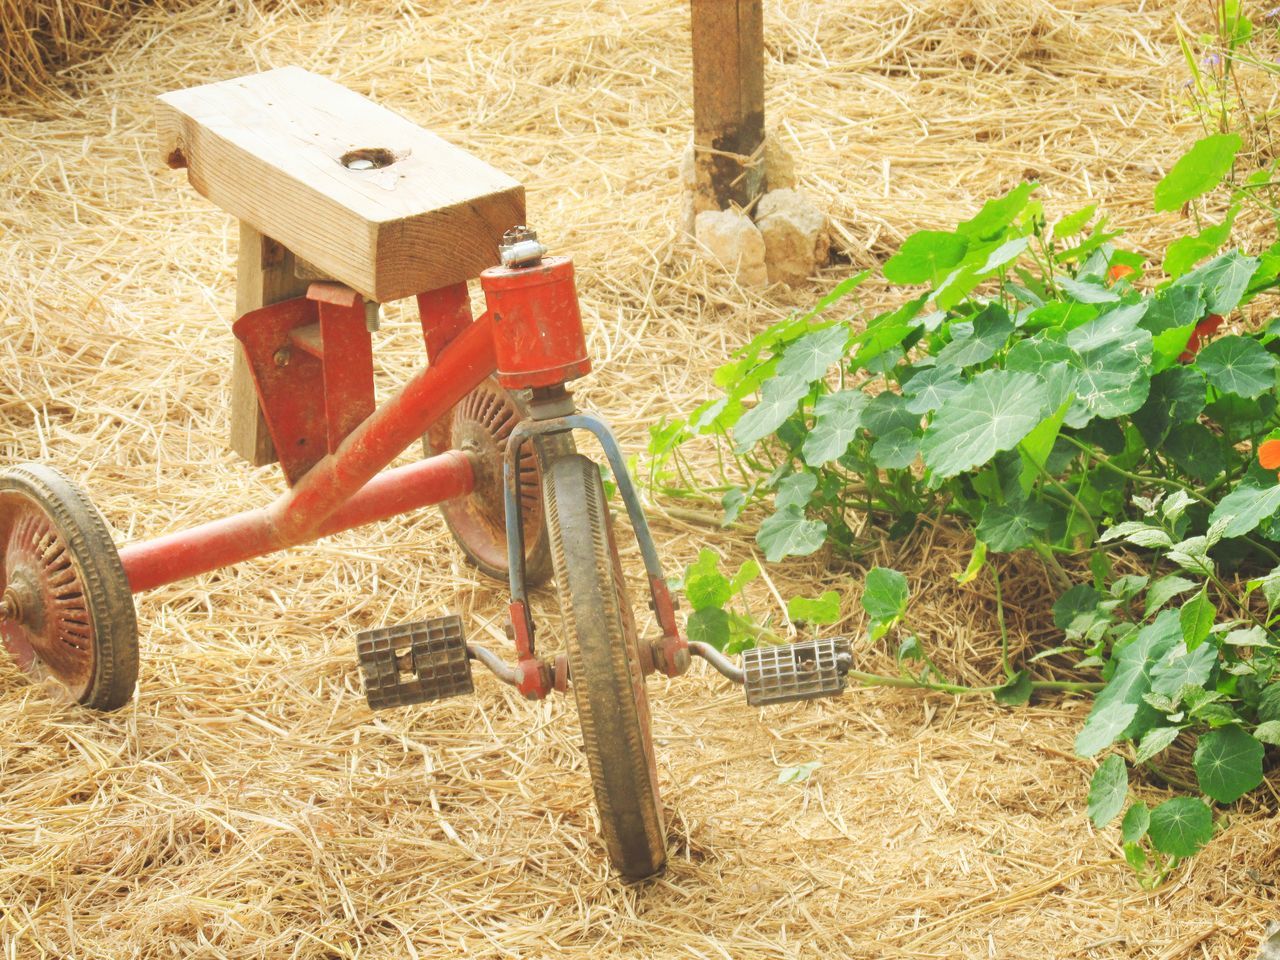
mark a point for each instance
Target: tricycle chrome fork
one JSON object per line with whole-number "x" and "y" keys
{"x": 552, "y": 414}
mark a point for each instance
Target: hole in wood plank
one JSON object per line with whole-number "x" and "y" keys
{"x": 368, "y": 158}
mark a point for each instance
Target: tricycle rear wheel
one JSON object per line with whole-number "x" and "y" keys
{"x": 604, "y": 666}
{"x": 66, "y": 609}
{"x": 479, "y": 425}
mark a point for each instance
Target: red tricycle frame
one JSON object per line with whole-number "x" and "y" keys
{"x": 530, "y": 336}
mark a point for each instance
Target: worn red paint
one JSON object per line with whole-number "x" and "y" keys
{"x": 243, "y": 536}
{"x": 537, "y": 326}
{"x": 531, "y": 335}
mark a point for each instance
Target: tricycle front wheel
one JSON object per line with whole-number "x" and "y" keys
{"x": 604, "y": 665}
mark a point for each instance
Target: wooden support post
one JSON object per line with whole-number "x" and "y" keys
{"x": 264, "y": 275}
{"x": 728, "y": 103}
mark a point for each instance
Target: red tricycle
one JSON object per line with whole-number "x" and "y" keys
{"x": 491, "y": 409}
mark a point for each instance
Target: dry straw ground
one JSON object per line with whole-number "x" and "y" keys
{"x": 247, "y": 804}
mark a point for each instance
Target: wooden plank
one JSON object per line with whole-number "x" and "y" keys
{"x": 272, "y": 150}
{"x": 728, "y": 103}
{"x": 264, "y": 275}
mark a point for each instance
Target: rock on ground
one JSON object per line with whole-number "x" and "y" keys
{"x": 795, "y": 236}
{"x": 729, "y": 237}
{"x": 779, "y": 166}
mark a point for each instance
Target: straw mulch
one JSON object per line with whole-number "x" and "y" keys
{"x": 39, "y": 38}
{"x": 247, "y": 804}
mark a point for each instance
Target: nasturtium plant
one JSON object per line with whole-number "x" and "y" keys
{"x": 1056, "y": 393}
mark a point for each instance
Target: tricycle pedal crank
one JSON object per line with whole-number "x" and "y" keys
{"x": 414, "y": 662}
{"x": 804, "y": 670}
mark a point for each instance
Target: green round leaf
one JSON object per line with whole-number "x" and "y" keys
{"x": 812, "y": 355}
{"x": 887, "y": 412}
{"x": 823, "y": 609}
{"x": 925, "y": 257}
{"x": 1012, "y": 526}
{"x": 885, "y": 594}
{"x": 995, "y": 411}
{"x": 838, "y": 418}
{"x": 704, "y": 584}
{"x": 796, "y": 489}
{"x": 1016, "y": 691}
{"x": 788, "y": 533}
{"x": 1108, "y": 790}
{"x": 710, "y": 625}
{"x": 1198, "y": 171}
{"x": 896, "y": 450}
{"x": 1136, "y": 822}
{"x": 778, "y": 399}
{"x": 1239, "y": 365}
{"x": 930, "y": 389}
{"x": 1180, "y": 827}
{"x": 989, "y": 331}
{"x": 1113, "y": 358}
{"x": 1228, "y": 763}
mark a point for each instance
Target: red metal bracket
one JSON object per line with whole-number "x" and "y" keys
{"x": 536, "y": 680}
{"x": 444, "y": 313}
{"x": 310, "y": 403}
{"x": 671, "y": 653}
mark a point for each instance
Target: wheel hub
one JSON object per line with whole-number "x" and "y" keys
{"x": 479, "y": 426}
{"x": 44, "y": 615}
{"x": 21, "y": 601}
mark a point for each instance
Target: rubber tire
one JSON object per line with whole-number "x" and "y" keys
{"x": 107, "y": 593}
{"x": 604, "y": 666}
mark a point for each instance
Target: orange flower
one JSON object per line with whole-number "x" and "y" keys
{"x": 1119, "y": 271}
{"x": 1269, "y": 454}
{"x": 1204, "y": 329}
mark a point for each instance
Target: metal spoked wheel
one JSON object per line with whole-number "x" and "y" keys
{"x": 480, "y": 425}
{"x": 604, "y": 665}
{"x": 66, "y": 610}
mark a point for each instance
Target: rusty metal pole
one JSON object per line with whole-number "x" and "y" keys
{"x": 728, "y": 103}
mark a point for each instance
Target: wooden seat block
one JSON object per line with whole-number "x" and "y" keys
{"x": 359, "y": 192}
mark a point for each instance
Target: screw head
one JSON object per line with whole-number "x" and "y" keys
{"x": 518, "y": 233}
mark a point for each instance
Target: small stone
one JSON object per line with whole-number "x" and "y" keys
{"x": 729, "y": 237}
{"x": 795, "y": 235}
{"x": 1270, "y": 946}
{"x": 779, "y": 165}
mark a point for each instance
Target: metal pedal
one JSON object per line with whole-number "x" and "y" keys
{"x": 804, "y": 670}
{"x": 414, "y": 662}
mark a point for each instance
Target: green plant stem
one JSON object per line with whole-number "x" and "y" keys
{"x": 1135, "y": 477}
{"x": 1055, "y": 569}
{"x": 1004, "y": 631}
{"x": 1172, "y": 779}
{"x": 1189, "y": 491}
{"x": 959, "y": 689}
{"x": 1243, "y": 604}
{"x": 1049, "y": 478}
